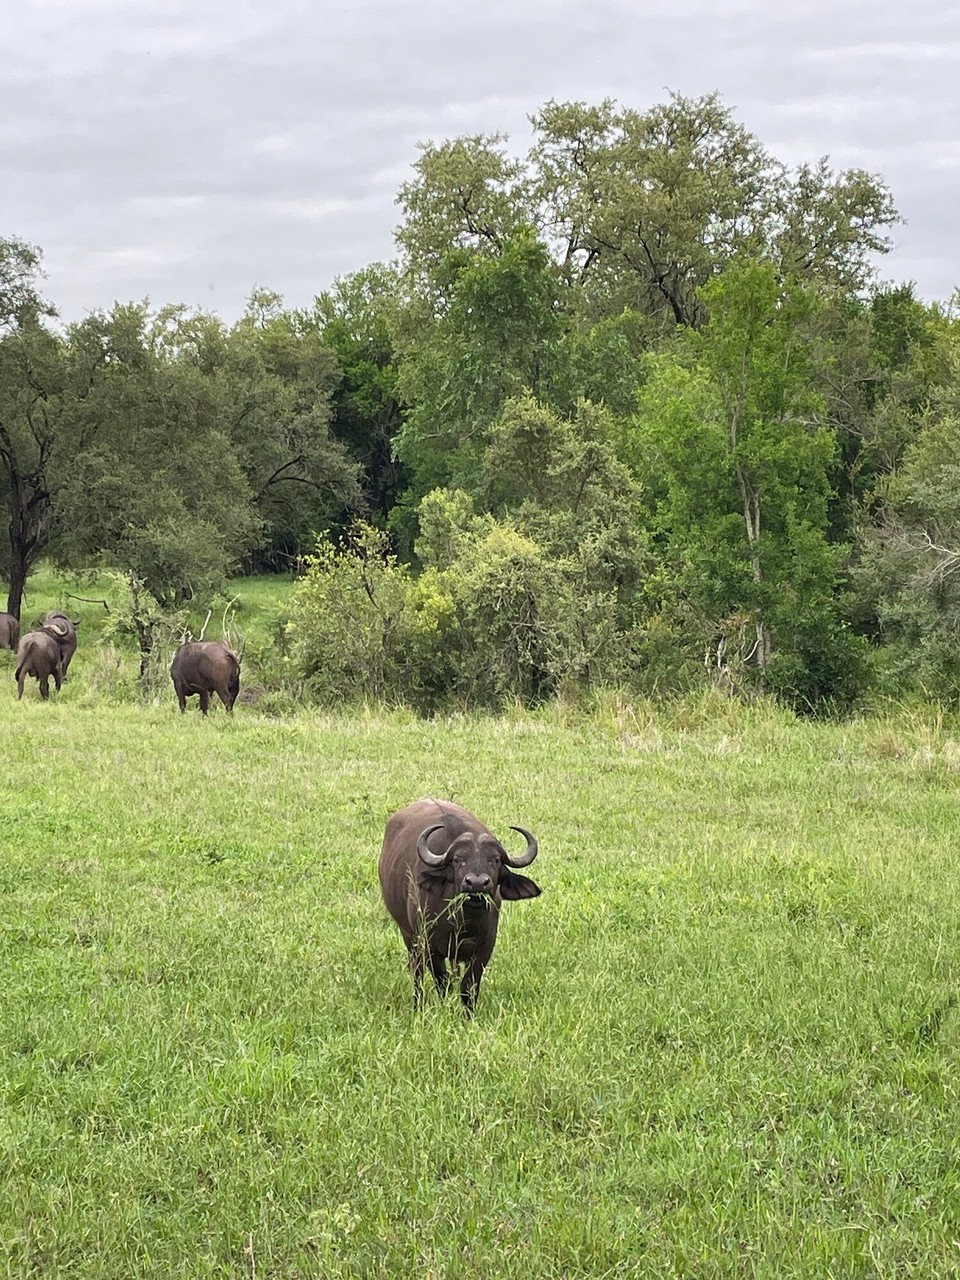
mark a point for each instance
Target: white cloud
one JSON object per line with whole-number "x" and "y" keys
{"x": 942, "y": 153}
{"x": 905, "y": 50}
{"x": 135, "y": 258}
{"x": 305, "y": 207}
{"x": 275, "y": 143}
{"x": 836, "y": 108}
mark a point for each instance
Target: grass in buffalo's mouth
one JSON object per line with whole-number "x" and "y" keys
{"x": 723, "y": 1043}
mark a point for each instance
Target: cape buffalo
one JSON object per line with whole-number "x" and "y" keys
{"x": 9, "y": 631}
{"x": 443, "y": 876}
{"x": 66, "y": 629}
{"x": 38, "y": 655}
{"x": 205, "y": 667}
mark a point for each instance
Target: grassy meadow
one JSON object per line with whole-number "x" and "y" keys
{"x": 724, "y": 1041}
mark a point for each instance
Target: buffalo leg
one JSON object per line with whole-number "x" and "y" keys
{"x": 470, "y": 985}
{"x": 438, "y": 967}
{"x": 58, "y": 679}
{"x": 418, "y": 957}
{"x": 19, "y": 686}
{"x": 44, "y": 687}
{"x": 204, "y": 700}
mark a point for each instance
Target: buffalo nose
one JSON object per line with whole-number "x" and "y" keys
{"x": 474, "y": 883}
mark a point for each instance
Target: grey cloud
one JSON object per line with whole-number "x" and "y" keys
{"x": 187, "y": 149}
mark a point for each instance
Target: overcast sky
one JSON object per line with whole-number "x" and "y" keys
{"x": 191, "y": 149}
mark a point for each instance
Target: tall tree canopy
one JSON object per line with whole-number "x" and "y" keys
{"x": 46, "y": 378}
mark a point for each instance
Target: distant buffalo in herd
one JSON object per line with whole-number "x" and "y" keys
{"x": 39, "y": 655}
{"x": 65, "y": 629}
{"x": 443, "y": 876}
{"x": 205, "y": 667}
{"x": 201, "y": 667}
{"x": 43, "y": 652}
{"x": 9, "y": 631}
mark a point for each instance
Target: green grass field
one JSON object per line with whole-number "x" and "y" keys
{"x": 723, "y": 1043}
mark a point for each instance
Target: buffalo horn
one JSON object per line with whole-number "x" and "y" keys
{"x": 525, "y": 858}
{"x": 431, "y": 859}
{"x": 57, "y": 627}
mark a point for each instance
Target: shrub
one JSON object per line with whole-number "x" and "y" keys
{"x": 346, "y": 619}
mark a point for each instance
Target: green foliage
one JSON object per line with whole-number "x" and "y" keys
{"x": 344, "y": 616}
{"x": 159, "y": 491}
{"x": 640, "y": 209}
{"x": 360, "y": 628}
{"x": 354, "y": 320}
{"x": 629, "y": 407}
{"x": 493, "y": 339}
{"x": 563, "y": 482}
{"x": 494, "y": 617}
{"x": 510, "y": 598}
{"x": 468, "y": 194}
{"x": 447, "y": 520}
{"x": 731, "y": 420}
{"x": 276, "y": 387}
{"x": 45, "y": 381}
{"x": 907, "y": 572}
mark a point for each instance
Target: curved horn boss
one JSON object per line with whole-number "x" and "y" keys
{"x": 425, "y": 855}
{"x": 528, "y": 856}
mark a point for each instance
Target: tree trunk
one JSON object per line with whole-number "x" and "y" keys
{"x": 144, "y": 626}
{"x": 23, "y": 545}
{"x": 751, "y": 516}
{"x": 29, "y": 504}
{"x": 18, "y": 580}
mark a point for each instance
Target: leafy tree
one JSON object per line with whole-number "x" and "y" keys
{"x": 877, "y": 361}
{"x": 908, "y": 572}
{"x": 469, "y": 194}
{"x": 555, "y": 274}
{"x": 495, "y": 339}
{"x": 561, "y": 480}
{"x": 354, "y": 320}
{"x": 347, "y": 615}
{"x": 159, "y": 491}
{"x": 639, "y": 209}
{"x": 732, "y": 420}
{"x": 276, "y": 385}
{"x": 647, "y": 205}
{"x": 44, "y": 380}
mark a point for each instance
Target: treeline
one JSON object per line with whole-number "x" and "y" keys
{"x": 632, "y": 409}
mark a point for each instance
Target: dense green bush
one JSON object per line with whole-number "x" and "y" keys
{"x": 491, "y": 619}
{"x": 347, "y": 626}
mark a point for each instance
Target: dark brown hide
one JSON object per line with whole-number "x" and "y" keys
{"x": 448, "y": 912}
{"x": 65, "y": 629}
{"x": 9, "y": 631}
{"x": 205, "y": 667}
{"x": 38, "y": 655}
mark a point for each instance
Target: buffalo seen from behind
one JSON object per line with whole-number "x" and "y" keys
{"x": 443, "y": 875}
{"x": 40, "y": 655}
{"x": 65, "y": 628}
{"x": 205, "y": 667}
{"x": 9, "y": 631}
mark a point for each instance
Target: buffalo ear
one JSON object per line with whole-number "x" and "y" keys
{"x": 514, "y": 886}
